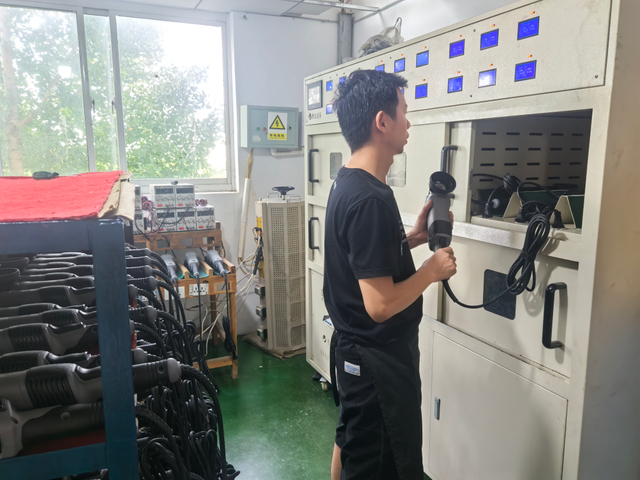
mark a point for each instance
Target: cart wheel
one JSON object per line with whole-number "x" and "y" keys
{"x": 325, "y": 386}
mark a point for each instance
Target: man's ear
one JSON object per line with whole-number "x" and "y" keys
{"x": 380, "y": 122}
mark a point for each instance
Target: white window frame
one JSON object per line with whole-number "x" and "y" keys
{"x": 205, "y": 185}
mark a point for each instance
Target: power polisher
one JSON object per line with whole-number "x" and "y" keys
{"x": 441, "y": 187}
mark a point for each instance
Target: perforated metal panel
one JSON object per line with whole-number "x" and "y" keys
{"x": 542, "y": 149}
{"x": 284, "y": 272}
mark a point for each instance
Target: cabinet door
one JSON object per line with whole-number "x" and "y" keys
{"x": 521, "y": 336}
{"x": 328, "y": 153}
{"x": 319, "y": 326}
{"x": 410, "y": 172}
{"x": 315, "y": 234}
{"x": 493, "y": 424}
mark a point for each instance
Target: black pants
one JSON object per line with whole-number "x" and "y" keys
{"x": 361, "y": 434}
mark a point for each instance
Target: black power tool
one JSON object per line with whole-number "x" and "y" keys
{"x": 521, "y": 275}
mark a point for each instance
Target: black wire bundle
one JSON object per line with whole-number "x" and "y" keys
{"x": 182, "y": 431}
{"x": 522, "y": 274}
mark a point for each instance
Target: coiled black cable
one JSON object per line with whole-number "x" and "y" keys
{"x": 141, "y": 327}
{"x": 535, "y": 238}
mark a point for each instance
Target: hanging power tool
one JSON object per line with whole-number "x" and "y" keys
{"x": 214, "y": 260}
{"x": 67, "y": 384}
{"x": 20, "y": 361}
{"x": 441, "y": 186}
{"x": 172, "y": 267}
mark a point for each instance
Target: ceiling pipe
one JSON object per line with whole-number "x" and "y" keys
{"x": 326, "y": 3}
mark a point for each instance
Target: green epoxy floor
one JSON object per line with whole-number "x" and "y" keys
{"x": 279, "y": 424}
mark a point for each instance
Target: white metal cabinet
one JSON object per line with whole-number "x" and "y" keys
{"x": 493, "y": 424}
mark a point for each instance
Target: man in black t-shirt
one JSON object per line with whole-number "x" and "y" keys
{"x": 372, "y": 290}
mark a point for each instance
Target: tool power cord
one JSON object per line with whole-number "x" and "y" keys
{"x": 535, "y": 238}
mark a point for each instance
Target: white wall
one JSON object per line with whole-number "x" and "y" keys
{"x": 420, "y": 17}
{"x": 271, "y": 56}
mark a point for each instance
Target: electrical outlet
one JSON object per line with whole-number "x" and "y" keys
{"x": 181, "y": 292}
{"x": 193, "y": 289}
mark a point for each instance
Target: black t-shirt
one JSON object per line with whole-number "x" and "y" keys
{"x": 364, "y": 238}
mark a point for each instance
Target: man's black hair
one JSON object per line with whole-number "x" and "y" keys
{"x": 360, "y": 98}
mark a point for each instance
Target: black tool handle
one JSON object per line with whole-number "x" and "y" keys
{"x": 80, "y": 270}
{"x": 547, "y": 325}
{"x": 37, "y": 267}
{"x": 81, "y": 259}
{"x": 63, "y": 421}
{"x": 57, "y": 317}
{"x": 311, "y": 152}
{"x": 75, "y": 282}
{"x": 26, "y": 309}
{"x": 147, "y": 283}
{"x": 311, "y": 245}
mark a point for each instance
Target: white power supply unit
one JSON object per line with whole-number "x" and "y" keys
{"x": 205, "y": 218}
{"x": 284, "y": 272}
{"x": 166, "y": 219}
{"x": 164, "y": 195}
{"x": 186, "y": 218}
{"x": 185, "y": 195}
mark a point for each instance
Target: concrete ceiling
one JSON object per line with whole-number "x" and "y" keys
{"x": 266, "y": 7}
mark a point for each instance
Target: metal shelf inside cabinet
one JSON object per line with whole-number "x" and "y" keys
{"x": 105, "y": 240}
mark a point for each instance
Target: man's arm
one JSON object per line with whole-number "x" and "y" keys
{"x": 383, "y": 298}
{"x": 419, "y": 235}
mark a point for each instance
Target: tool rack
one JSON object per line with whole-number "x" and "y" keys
{"x": 105, "y": 240}
{"x": 206, "y": 240}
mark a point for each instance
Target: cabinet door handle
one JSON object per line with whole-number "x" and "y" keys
{"x": 310, "y": 165}
{"x": 311, "y": 245}
{"x": 547, "y": 325}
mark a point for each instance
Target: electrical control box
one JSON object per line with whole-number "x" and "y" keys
{"x": 166, "y": 219}
{"x": 186, "y": 218}
{"x": 205, "y": 218}
{"x": 164, "y": 195}
{"x": 185, "y": 195}
{"x": 138, "y": 225}
{"x": 269, "y": 127}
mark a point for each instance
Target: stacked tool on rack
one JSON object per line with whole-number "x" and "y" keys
{"x": 51, "y": 372}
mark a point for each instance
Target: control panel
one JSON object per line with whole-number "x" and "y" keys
{"x": 515, "y": 53}
{"x": 274, "y": 127}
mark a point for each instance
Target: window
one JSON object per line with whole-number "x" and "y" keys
{"x": 158, "y": 109}
{"x": 41, "y": 104}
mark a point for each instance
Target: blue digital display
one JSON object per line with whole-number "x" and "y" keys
{"x": 398, "y": 65}
{"x": 487, "y": 78}
{"x": 456, "y": 49}
{"x": 329, "y": 109}
{"x": 489, "y": 39}
{"x": 343, "y": 79}
{"x": 329, "y": 85}
{"x": 455, "y": 85}
{"x": 529, "y": 28}
{"x": 421, "y": 91}
{"x": 422, "y": 59}
{"x": 526, "y": 71}
{"x": 380, "y": 68}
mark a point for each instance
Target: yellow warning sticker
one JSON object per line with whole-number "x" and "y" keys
{"x": 277, "y": 124}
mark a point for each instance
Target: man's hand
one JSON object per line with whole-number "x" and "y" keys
{"x": 419, "y": 234}
{"x": 441, "y": 265}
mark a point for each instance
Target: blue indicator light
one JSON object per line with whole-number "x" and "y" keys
{"x": 529, "y": 28}
{"x": 422, "y": 59}
{"x": 455, "y": 85}
{"x": 329, "y": 109}
{"x": 489, "y": 39}
{"x": 329, "y": 85}
{"x": 421, "y": 91}
{"x": 487, "y": 79}
{"x": 456, "y": 49}
{"x": 526, "y": 71}
{"x": 380, "y": 68}
{"x": 398, "y": 65}
{"x": 343, "y": 79}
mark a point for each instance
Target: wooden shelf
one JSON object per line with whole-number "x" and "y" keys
{"x": 206, "y": 240}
